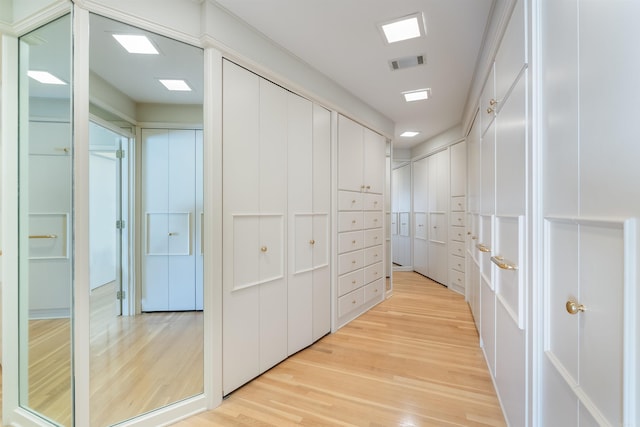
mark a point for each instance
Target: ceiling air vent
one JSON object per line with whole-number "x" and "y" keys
{"x": 406, "y": 62}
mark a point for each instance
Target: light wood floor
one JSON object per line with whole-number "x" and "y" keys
{"x": 413, "y": 360}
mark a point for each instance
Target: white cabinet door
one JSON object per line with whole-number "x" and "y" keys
{"x": 374, "y": 150}
{"x": 459, "y": 170}
{"x": 350, "y": 137}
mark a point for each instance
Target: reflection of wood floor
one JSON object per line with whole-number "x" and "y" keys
{"x": 413, "y": 360}
{"x": 137, "y": 364}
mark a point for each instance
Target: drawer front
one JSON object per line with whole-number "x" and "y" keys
{"x": 372, "y": 237}
{"x": 350, "y": 241}
{"x": 373, "y": 255}
{"x": 456, "y": 263}
{"x": 373, "y": 290}
{"x": 349, "y": 221}
{"x": 372, "y": 202}
{"x": 457, "y": 233}
{"x": 350, "y": 302}
{"x": 349, "y": 201}
{"x": 372, "y": 219}
{"x": 456, "y": 248}
{"x": 350, "y": 262}
{"x": 456, "y": 278}
{"x": 350, "y": 282}
{"x": 373, "y": 272}
{"x": 457, "y": 204}
{"x": 457, "y": 218}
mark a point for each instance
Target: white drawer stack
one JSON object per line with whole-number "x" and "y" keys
{"x": 457, "y": 234}
{"x": 360, "y": 251}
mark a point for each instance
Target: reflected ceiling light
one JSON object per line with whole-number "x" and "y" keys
{"x": 416, "y": 95}
{"x": 175, "y": 85}
{"x": 45, "y": 77}
{"x": 136, "y": 44}
{"x": 409, "y": 134}
{"x": 405, "y": 28}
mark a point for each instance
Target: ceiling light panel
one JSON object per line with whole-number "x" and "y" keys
{"x": 405, "y": 28}
{"x": 409, "y": 134}
{"x": 175, "y": 85}
{"x": 417, "y": 95}
{"x": 136, "y": 44}
{"x": 45, "y": 77}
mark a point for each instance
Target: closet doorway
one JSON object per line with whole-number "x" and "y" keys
{"x": 107, "y": 219}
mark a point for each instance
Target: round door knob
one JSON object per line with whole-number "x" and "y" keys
{"x": 353, "y": 242}
{"x": 493, "y": 102}
{"x": 312, "y": 242}
{"x": 171, "y": 233}
{"x": 489, "y": 110}
{"x": 573, "y": 307}
{"x": 263, "y": 249}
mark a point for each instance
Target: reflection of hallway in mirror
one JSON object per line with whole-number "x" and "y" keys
{"x": 141, "y": 363}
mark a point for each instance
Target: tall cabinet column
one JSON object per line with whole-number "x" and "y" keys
{"x": 361, "y": 180}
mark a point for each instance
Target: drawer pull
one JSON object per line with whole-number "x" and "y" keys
{"x": 482, "y": 248}
{"x": 353, "y": 282}
{"x": 353, "y": 221}
{"x": 353, "y": 201}
{"x": 420, "y": 225}
{"x": 353, "y": 262}
{"x": 493, "y": 102}
{"x": 375, "y": 219}
{"x": 490, "y": 110}
{"x": 353, "y": 302}
{"x": 368, "y": 187}
{"x": 353, "y": 242}
{"x": 375, "y": 202}
{"x": 312, "y": 242}
{"x": 500, "y": 262}
{"x": 375, "y": 237}
{"x": 263, "y": 249}
{"x": 468, "y": 233}
{"x": 172, "y": 233}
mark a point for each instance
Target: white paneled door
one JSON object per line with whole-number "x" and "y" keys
{"x": 171, "y": 171}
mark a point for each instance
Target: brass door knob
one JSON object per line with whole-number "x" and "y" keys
{"x": 312, "y": 242}
{"x": 573, "y": 307}
{"x": 263, "y": 249}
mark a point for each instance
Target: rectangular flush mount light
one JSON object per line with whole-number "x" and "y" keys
{"x": 405, "y": 28}
{"x": 175, "y": 85}
{"x": 409, "y": 134}
{"x": 136, "y": 44}
{"x": 45, "y": 77}
{"x": 416, "y": 95}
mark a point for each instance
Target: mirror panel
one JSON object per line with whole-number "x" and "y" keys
{"x": 45, "y": 220}
{"x": 146, "y": 352}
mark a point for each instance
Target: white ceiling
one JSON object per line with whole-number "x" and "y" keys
{"x": 340, "y": 38}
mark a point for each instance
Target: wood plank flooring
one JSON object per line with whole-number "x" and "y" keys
{"x": 413, "y": 360}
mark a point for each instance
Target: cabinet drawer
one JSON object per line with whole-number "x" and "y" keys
{"x": 457, "y": 233}
{"x": 372, "y": 202}
{"x": 457, "y": 218}
{"x": 456, "y": 262}
{"x": 372, "y": 219}
{"x": 456, "y": 248}
{"x": 457, "y": 204}
{"x": 350, "y": 302}
{"x": 373, "y": 272}
{"x": 350, "y": 241}
{"x": 456, "y": 278}
{"x": 350, "y": 282}
{"x": 372, "y": 237}
{"x": 349, "y": 221}
{"x": 349, "y": 201}
{"x": 373, "y": 290}
{"x": 350, "y": 262}
{"x": 373, "y": 255}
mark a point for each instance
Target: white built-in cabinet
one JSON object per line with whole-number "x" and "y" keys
{"x": 431, "y": 203}
{"x": 361, "y": 180}
{"x": 497, "y": 147}
{"x": 589, "y": 326}
{"x": 172, "y": 220}
{"x": 276, "y": 206}
{"x": 457, "y": 217}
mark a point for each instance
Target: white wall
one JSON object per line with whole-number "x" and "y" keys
{"x": 444, "y": 139}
